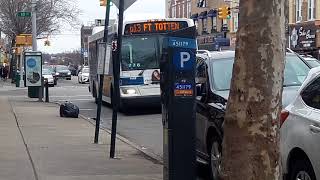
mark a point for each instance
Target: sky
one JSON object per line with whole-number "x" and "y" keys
{"x": 69, "y": 39}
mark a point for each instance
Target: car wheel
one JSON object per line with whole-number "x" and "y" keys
{"x": 215, "y": 160}
{"x": 302, "y": 170}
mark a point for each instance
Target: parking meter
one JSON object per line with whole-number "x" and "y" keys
{"x": 178, "y": 104}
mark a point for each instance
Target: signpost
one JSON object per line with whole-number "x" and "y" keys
{"x": 178, "y": 109}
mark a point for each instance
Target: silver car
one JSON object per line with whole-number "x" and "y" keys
{"x": 300, "y": 132}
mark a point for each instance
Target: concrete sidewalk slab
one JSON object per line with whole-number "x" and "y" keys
{"x": 14, "y": 160}
{"x": 62, "y": 148}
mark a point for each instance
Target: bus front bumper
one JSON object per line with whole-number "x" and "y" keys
{"x": 141, "y": 101}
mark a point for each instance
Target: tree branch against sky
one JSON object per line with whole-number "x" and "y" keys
{"x": 51, "y": 16}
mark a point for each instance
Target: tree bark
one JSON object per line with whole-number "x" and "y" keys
{"x": 251, "y": 133}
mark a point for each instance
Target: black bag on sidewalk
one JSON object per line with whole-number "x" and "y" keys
{"x": 68, "y": 109}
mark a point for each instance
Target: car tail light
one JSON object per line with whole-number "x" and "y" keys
{"x": 283, "y": 116}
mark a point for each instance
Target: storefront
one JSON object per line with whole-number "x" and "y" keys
{"x": 305, "y": 38}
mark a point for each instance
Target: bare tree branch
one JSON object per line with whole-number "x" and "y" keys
{"x": 51, "y": 15}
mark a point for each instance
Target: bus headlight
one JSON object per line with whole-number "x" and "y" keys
{"x": 129, "y": 91}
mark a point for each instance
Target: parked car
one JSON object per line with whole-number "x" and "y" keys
{"x": 51, "y": 70}
{"x": 313, "y": 62}
{"x": 46, "y": 73}
{"x": 62, "y": 72}
{"x": 83, "y": 75}
{"x": 300, "y": 132}
{"x": 213, "y": 78}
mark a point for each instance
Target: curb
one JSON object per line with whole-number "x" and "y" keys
{"x": 149, "y": 154}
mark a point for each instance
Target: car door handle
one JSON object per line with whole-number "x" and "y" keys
{"x": 314, "y": 129}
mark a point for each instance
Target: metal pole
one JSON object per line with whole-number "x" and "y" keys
{"x": 34, "y": 25}
{"x": 99, "y": 103}
{"x": 116, "y": 88}
{"x": 47, "y": 89}
{"x": 21, "y": 72}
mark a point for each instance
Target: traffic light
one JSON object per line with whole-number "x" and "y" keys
{"x": 220, "y": 13}
{"x": 228, "y": 12}
{"x": 103, "y": 2}
{"x": 224, "y": 12}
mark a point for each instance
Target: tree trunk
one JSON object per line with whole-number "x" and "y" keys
{"x": 251, "y": 134}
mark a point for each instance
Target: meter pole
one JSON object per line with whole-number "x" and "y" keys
{"x": 116, "y": 86}
{"x": 101, "y": 79}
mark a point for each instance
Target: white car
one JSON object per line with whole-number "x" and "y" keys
{"x": 46, "y": 74}
{"x": 300, "y": 132}
{"x": 83, "y": 75}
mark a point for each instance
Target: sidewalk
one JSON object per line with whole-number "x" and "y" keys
{"x": 7, "y": 85}
{"x": 62, "y": 149}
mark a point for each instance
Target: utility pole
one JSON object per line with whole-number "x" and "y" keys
{"x": 34, "y": 25}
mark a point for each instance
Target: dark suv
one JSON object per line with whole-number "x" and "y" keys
{"x": 62, "y": 72}
{"x": 213, "y": 78}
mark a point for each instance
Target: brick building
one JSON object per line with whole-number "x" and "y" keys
{"x": 213, "y": 32}
{"x": 304, "y": 26}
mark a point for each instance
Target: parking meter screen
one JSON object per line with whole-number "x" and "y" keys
{"x": 154, "y": 27}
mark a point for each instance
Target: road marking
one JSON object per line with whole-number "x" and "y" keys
{"x": 71, "y": 96}
{"x": 87, "y": 109}
{"x": 74, "y": 100}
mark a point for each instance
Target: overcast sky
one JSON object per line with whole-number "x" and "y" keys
{"x": 69, "y": 39}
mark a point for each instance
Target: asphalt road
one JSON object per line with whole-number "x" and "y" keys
{"x": 141, "y": 126}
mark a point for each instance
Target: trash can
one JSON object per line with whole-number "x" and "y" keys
{"x": 33, "y": 92}
{"x": 17, "y": 78}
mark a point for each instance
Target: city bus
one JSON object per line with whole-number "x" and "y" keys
{"x": 140, "y": 68}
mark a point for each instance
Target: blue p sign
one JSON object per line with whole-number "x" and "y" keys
{"x": 183, "y": 60}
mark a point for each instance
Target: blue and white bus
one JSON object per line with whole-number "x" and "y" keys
{"x": 140, "y": 69}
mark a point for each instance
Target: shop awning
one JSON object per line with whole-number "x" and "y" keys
{"x": 203, "y": 15}
{"x": 194, "y": 16}
{"x": 212, "y": 13}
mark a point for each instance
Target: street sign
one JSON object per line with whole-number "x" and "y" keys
{"x": 127, "y": 3}
{"x": 24, "y": 14}
{"x": 33, "y": 68}
{"x": 177, "y": 84}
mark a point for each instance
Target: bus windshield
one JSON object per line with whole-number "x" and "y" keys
{"x": 139, "y": 53}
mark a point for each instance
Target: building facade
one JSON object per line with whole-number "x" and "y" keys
{"x": 304, "y": 26}
{"x": 178, "y": 8}
{"x": 215, "y": 33}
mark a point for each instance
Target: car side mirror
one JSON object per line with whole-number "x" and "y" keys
{"x": 199, "y": 89}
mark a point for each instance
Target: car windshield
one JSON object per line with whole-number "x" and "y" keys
{"x": 62, "y": 68}
{"x": 46, "y": 72}
{"x": 294, "y": 74}
{"x": 139, "y": 53}
{"x": 85, "y": 71}
{"x": 313, "y": 63}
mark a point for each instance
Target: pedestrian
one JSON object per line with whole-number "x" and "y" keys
{"x": 5, "y": 72}
{"x": 1, "y": 69}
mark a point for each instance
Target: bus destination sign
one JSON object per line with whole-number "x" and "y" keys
{"x": 154, "y": 27}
